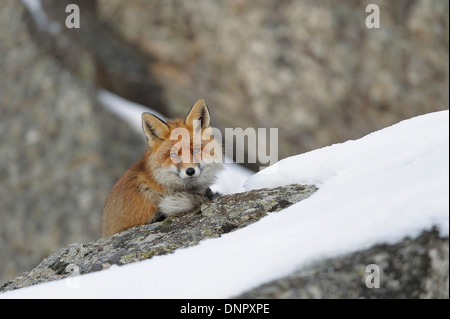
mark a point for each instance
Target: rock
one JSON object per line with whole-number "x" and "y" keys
{"x": 220, "y": 216}
{"x": 413, "y": 268}
{"x": 310, "y": 68}
{"x": 60, "y": 151}
{"x": 98, "y": 54}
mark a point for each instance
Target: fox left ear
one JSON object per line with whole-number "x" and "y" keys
{"x": 199, "y": 111}
{"x": 154, "y": 128}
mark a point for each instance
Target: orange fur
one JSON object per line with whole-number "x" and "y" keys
{"x": 136, "y": 196}
{"x": 118, "y": 215}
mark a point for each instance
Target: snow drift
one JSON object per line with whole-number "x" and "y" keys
{"x": 379, "y": 189}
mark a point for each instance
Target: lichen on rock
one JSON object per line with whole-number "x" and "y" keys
{"x": 222, "y": 215}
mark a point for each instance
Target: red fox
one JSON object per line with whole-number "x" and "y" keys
{"x": 172, "y": 177}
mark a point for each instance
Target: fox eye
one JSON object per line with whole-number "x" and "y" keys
{"x": 173, "y": 155}
{"x": 196, "y": 150}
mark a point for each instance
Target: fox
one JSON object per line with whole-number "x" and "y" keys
{"x": 172, "y": 177}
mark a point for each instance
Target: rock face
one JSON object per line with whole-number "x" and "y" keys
{"x": 413, "y": 268}
{"x": 60, "y": 151}
{"x": 220, "y": 216}
{"x": 311, "y": 68}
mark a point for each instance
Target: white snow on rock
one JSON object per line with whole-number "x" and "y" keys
{"x": 381, "y": 188}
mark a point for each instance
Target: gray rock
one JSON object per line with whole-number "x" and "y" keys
{"x": 413, "y": 268}
{"x": 311, "y": 68}
{"x": 98, "y": 54}
{"x": 222, "y": 215}
{"x": 60, "y": 151}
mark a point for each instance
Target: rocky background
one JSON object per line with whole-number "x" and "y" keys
{"x": 310, "y": 68}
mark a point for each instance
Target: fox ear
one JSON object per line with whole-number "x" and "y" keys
{"x": 199, "y": 111}
{"x": 154, "y": 128}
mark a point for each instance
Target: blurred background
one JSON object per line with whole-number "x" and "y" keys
{"x": 310, "y": 68}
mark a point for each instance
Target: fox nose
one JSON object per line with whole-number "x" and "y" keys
{"x": 190, "y": 171}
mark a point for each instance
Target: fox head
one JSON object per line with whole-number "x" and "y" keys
{"x": 183, "y": 152}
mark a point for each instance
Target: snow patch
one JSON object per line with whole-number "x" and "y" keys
{"x": 379, "y": 189}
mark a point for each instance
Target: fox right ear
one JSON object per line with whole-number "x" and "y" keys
{"x": 154, "y": 128}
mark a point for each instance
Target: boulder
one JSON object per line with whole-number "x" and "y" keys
{"x": 220, "y": 216}
{"x": 311, "y": 69}
{"x": 414, "y": 268}
{"x": 60, "y": 150}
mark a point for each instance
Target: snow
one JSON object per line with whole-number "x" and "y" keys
{"x": 128, "y": 111}
{"x": 378, "y": 189}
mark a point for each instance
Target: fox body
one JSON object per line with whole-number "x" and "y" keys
{"x": 172, "y": 177}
